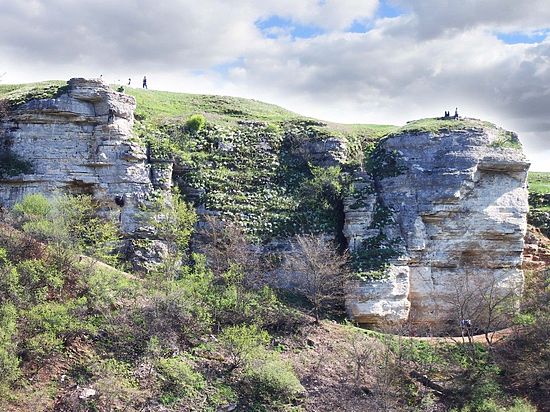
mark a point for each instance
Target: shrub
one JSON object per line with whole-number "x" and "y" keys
{"x": 69, "y": 222}
{"x": 173, "y": 220}
{"x": 179, "y": 379}
{"x": 9, "y": 363}
{"x": 273, "y": 379}
{"x": 265, "y": 376}
{"x": 9, "y": 279}
{"x": 116, "y": 386}
{"x": 175, "y": 311}
{"x": 33, "y": 207}
{"x": 195, "y": 123}
{"x": 38, "y": 280}
{"x": 316, "y": 270}
{"x": 48, "y": 325}
{"x": 243, "y": 343}
{"x": 106, "y": 290}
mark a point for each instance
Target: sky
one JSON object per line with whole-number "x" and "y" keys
{"x": 348, "y": 61}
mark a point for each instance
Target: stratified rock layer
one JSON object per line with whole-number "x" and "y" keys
{"x": 79, "y": 142}
{"x": 460, "y": 201}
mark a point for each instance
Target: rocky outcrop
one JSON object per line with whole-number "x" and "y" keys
{"x": 459, "y": 199}
{"x": 81, "y": 142}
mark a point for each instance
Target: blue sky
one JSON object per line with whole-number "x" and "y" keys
{"x": 352, "y": 61}
{"x": 518, "y": 37}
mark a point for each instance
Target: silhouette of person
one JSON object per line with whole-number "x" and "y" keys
{"x": 144, "y": 82}
{"x": 456, "y": 113}
{"x": 129, "y": 81}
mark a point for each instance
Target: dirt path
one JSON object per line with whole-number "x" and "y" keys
{"x": 494, "y": 337}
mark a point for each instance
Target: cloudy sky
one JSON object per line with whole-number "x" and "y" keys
{"x": 352, "y": 61}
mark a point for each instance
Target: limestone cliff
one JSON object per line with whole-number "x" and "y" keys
{"x": 80, "y": 142}
{"x": 459, "y": 203}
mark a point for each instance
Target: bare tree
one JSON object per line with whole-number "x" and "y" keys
{"x": 482, "y": 305}
{"x": 225, "y": 246}
{"x": 317, "y": 270}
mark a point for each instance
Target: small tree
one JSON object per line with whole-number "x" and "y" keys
{"x": 487, "y": 306}
{"x": 316, "y": 269}
{"x": 225, "y": 246}
{"x": 172, "y": 221}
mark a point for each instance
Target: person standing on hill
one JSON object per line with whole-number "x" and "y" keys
{"x": 145, "y": 82}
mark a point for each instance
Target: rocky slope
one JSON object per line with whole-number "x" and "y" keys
{"x": 436, "y": 212}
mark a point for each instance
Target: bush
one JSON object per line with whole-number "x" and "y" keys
{"x": 243, "y": 343}
{"x": 273, "y": 379}
{"x": 173, "y": 220}
{"x": 176, "y": 312}
{"x": 179, "y": 379}
{"x": 38, "y": 280}
{"x": 116, "y": 386}
{"x": 9, "y": 279}
{"x": 9, "y": 363}
{"x": 195, "y": 123}
{"x": 69, "y": 222}
{"x": 490, "y": 405}
{"x": 106, "y": 290}
{"x": 33, "y": 207}
{"x": 265, "y": 376}
{"x": 48, "y": 325}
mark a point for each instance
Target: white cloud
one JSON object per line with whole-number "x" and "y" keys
{"x": 435, "y": 17}
{"x": 436, "y": 56}
{"x": 329, "y": 14}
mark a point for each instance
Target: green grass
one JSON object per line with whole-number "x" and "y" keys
{"x": 539, "y": 182}
{"x": 17, "y": 94}
{"x": 435, "y": 125}
{"x": 159, "y": 107}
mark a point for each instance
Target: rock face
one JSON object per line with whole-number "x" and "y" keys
{"x": 460, "y": 202}
{"x": 81, "y": 142}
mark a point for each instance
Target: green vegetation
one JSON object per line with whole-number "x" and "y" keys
{"x": 507, "y": 139}
{"x": 539, "y": 201}
{"x": 539, "y": 182}
{"x": 158, "y": 107}
{"x": 468, "y": 375}
{"x": 213, "y": 331}
{"x": 16, "y": 94}
{"x": 436, "y": 125}
{"x": 195, "y": 123}
{"x": 69, "y": 222}
{"x": 52, "y": 300}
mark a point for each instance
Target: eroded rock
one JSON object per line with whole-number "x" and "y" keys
{"x": 460, "y": 204}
